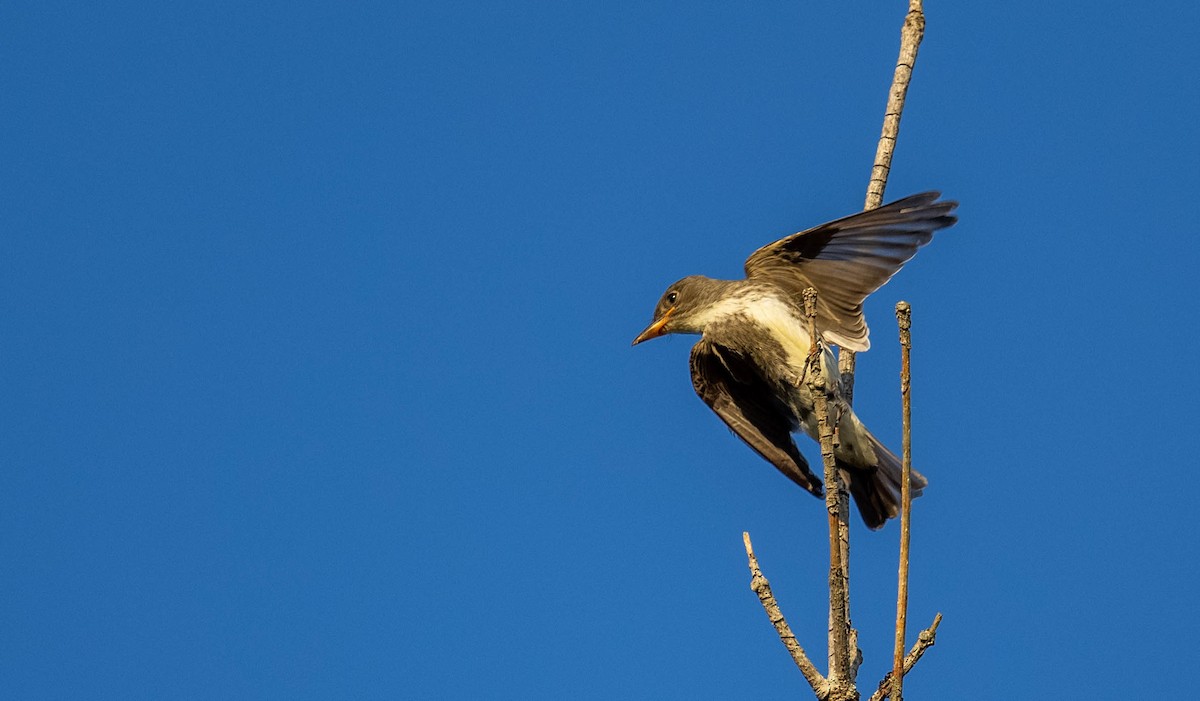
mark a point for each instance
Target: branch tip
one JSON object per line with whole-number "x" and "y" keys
{"x": 760, "y": 586}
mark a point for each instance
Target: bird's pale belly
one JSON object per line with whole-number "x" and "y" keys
{"x": 770, "y": 315}
{"x": 785, "y": 328}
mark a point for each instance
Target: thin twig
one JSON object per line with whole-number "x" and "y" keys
{"x": 844, "y": 544}
{"x": 925, "y": 640}
{"x": 760, "y": 586}
{"x": 904, "y": 319}
{"x": 910, "y": 41}
{"x": 839, "y": 624}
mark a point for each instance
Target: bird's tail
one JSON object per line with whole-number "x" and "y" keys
{"x": 876, "y": 488}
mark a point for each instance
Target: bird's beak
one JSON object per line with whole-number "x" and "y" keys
{"x": 656, "y": 329}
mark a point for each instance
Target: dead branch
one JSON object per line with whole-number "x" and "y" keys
{"x": 904, "y": 319}
{"x": 760, "y": 586}
{"x": 911, "y": 35}
{"x": 841, "y": 683}
{"x": 844, "y": 655}
{"x": 924, "y": 641}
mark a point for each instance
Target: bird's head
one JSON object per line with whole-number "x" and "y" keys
{"x": 681, "y": 308}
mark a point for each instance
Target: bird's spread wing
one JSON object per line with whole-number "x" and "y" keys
{"x": 848, "y": 259}
{"x": 731, "y": 385}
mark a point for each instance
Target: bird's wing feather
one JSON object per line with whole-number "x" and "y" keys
{"x": 848, "y": 259}
{"x": 731, "y": 386}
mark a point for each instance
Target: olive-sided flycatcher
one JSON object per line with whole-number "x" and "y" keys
{"x": 749, "y": 363}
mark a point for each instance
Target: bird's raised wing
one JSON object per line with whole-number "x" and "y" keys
{"x": 732, "y": 386}
{"x": 848, "y": 259}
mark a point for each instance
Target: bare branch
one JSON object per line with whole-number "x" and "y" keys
{"x": 844, "y": 655}
{"x": 910, "y": 41}
{"x": 760, "y": 586}
{"x": 904, "y": 319}
{"x": 840, "y": 681}
{"x": 925, "y": 640}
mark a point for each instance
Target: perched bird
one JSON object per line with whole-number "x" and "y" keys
{"x": 749, "y": 363}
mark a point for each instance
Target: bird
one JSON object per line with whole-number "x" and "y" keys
{"x": 749, "y": 364}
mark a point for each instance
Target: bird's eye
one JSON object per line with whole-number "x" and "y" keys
{"x": 671, "y": 297}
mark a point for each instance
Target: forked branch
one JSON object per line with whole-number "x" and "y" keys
{"x": 844, "y": 656}
{"x": 924, "y": 641}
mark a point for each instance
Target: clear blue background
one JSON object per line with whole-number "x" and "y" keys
{"x": 315, "y": 365}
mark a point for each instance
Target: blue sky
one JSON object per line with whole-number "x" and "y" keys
{"x": 316, "y": 371}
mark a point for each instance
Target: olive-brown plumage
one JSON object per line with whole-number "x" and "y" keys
{"x": 749, "y": 363}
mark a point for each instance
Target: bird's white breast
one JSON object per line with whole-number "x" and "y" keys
{"x": 776, "y": 316}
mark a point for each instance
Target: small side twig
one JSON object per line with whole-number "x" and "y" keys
{"x": 904, "y": 319}
{"x": 924, "y": 641}
{"x": 760, "y": 586}
{"x": 846, "y": 365}
{"x": 856, "y": 656}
